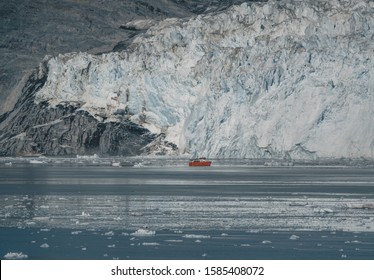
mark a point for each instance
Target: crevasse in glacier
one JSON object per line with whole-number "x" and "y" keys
{"x": 277, "y": 79}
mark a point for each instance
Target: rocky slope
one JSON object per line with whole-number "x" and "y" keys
{"x": 283, "y": 79}
{"x": 32, "y": 29}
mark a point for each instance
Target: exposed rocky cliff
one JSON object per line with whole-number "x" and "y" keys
{"x": 282, "y": 79}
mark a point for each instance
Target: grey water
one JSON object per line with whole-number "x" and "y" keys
{"x": 52, "y": 211}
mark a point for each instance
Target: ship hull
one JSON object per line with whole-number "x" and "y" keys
{"x": 200, "y": 163}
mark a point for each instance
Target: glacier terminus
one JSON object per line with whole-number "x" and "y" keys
{"x": 278, "y": 79}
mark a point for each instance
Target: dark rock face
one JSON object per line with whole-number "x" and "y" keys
{"x": 65, "y": 130}
{"x": 37, "y": 129}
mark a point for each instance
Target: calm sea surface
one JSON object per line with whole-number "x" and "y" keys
{"x": 176, "y": 212}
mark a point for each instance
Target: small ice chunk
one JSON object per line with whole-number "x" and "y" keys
{"x": 150, "y": 244}
{"x": 44, "y": 245}
{"x": 361, "y": 206}
{"x": 8, "y": 164}
{"x": 294, "y": 237}
{"x": 266, "y": 242}
{"x": 15, "y": 256}
{"x": 324, "y": 210}
{"x": 84, "y": 214}
{"x": 112, "y": 246}
{"x": 109, "y": 233}
{"x": 196, "y": 236}
{"x": 40, "y": 218}
{"x": 143, "y": 232}
{"x": 95, "y": 156}
{"x": 116, "y": 164}
{"x": 296, "y": 203}
{"x": 34, "y": 161}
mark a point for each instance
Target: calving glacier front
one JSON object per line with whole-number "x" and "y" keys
{"x": 277, "y": 79}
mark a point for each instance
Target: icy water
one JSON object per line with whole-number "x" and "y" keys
{"x": 175, "y": 212}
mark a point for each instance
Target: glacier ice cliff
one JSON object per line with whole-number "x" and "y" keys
{"x": 277, "y": 79}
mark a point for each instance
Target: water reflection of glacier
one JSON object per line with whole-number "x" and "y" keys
{"x": 57, "y": 210}
{"x": 130, "y": 212}
{"x": 231, "y": 197}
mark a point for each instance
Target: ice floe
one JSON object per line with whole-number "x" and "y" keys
{"x": 196, "y": 236}
{"x": 44, "y": 245}
{"x": 361, "y": 206}
{"x": 15, "y": 256}
{"x": 34, "y": 161}
{"x": 150, "y": 244}
{"x": 143, "y": 232}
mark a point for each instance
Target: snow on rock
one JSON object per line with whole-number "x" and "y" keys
{"x": 285, "y": 78}
{"x": 139, "y": 24}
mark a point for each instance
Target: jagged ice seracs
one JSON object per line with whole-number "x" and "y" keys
{"x": 289, "y": 79}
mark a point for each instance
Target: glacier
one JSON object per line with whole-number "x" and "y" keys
{"x": 278, "y": 79}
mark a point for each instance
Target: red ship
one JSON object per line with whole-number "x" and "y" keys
{"x": 200, "y": 162}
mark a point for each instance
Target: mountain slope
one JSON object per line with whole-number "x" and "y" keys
{"x": 32, "y": 29}
{"x": 279, "y": 79}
